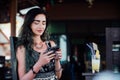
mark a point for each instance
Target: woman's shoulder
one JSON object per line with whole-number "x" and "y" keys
{"x": 20, "y": 49}
{"x": 52, "y": 43}
{"x": 20, "y": 52}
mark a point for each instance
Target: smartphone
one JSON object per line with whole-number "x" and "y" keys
{"x": 54, "y": 49}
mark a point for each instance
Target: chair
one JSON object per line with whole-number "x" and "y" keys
{"x": 13, "y": 58}
{"x": 2, "y": 67}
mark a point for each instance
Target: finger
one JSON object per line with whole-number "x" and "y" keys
{"x": 58, "y": 56}
{"x": 50, "y": 52}
{"x": 51, "y": 55}
{"x": 59, "y": 52}
{"x": 59, "y": 49}
{"x": 51, "y": 58}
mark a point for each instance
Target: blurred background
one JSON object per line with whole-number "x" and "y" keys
{"x": 73, "y": 24}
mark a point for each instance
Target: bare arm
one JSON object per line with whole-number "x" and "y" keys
{"x": 58, "y": 67}
{"x": 44, "y": 59}
{"x": 21, "y": 65}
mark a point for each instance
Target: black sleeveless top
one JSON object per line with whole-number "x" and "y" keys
{"x": 32, "y": 57}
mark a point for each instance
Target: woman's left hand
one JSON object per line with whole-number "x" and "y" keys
{"x": 58, "y": 55}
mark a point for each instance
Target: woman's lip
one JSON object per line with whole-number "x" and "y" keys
{"x": 39, "y": 30}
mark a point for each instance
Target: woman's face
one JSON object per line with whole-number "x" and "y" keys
{"x": 39, "y": 24}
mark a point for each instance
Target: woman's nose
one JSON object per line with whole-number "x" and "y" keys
{"x": 40, "y": 24}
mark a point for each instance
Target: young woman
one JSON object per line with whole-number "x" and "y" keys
{"x": 35, "y": 62}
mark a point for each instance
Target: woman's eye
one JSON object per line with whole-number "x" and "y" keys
{"x": 39, "y": 22}
{"x": 36, "y": 23}
{"x": 44, "y": 23}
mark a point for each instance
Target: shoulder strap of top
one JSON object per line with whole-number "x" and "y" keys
{"x": 48, "y": 44}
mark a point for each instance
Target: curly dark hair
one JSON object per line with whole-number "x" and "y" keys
{"x": 26, "y": 34}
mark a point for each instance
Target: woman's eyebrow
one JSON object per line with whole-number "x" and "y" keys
{"x": 37, "y": 20}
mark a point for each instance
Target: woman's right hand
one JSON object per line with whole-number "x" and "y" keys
{"x": 45, "y": 58}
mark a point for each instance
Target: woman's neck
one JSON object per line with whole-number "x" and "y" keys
{"x": 38, "y": 44}
{"x": 37, "y": 39}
